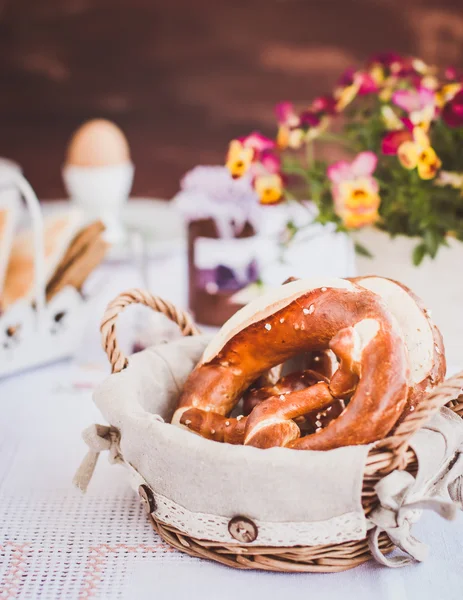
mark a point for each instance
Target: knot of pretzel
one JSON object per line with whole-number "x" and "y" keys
{"x": 370, "y": 353}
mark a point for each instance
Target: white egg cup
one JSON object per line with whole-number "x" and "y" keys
{"x": 102, "y": 193}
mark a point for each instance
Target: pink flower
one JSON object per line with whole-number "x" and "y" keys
{"x": 367, "y": 84}
{"x": 286, "y": 114}
{"x": 452, "y": 113}
{"x": 414, "y": 100}
{"x": 324, "y": 105}
{"x": 309, "y": 118}
{"x": 270, "y": 161}
{"x": 364, "y": 80}
{"x": 393, "y": 64}
{"x": 419, "y": 104}
{"x": 393, "y": 140}
{"x": 257, "y": 142}
{"x": 289, "y": 132}
{"x": 355, "y": 191}
{"x": 363, "y": 165}
{"x": 347, "y": 77}
{"x": 268, "y": 182}
{"x": 408, "y": 123}
{"x": 244, "y": 151}
{"x": 452, "y": 74}
{"x": 386, "y": 59}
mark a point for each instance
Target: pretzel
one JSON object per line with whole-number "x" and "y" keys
{"x": 422, "y": 338}
{"x": 231, "y": 430}
{"x": 314, "y": 365}
{"x": 295, "y": 381}
{"x": 298, "y": 317}
{"x": 213, "y": 426}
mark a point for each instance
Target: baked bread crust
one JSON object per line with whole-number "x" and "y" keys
{"x": 305, "y": 316}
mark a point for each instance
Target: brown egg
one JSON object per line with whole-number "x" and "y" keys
{"x": 98, "y": 143}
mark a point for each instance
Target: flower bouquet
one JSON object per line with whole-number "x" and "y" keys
{"x": 395, "y": 127}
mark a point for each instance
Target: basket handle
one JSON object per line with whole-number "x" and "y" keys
{"x": 33, "y": 206}
{"x": 443, "y": 394}
{"x": 116, "y": 357}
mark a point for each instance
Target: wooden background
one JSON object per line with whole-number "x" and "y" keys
{"x": 182, "y": 77}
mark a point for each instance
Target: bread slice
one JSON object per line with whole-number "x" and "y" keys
{"x": 72, "y": 251}
{"x": 86, "y": 251}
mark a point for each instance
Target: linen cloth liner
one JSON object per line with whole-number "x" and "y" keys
{"x": 438, "y": 486}
{"x": 203, "y": 479}
{"x": 220, "y": 479}
{"x": 439, "y": 447}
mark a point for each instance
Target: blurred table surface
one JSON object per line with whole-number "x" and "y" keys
{"x": 58, "y": 544}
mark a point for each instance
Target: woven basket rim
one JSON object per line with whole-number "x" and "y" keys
{"x": 331, "y": 558}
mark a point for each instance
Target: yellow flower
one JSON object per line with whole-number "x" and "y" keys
{"x": 360, "y": 219}
{"x": 289, "y": 138}
{"x": 446, "y": 93}
{"x": 391, "y": 120}
{"x": 239, "y": 158}
{"x": 269, "y": 188}
{"x": 422, "y": 118}
{"x": 418, "y": 153}
{"x": 377, "y": 72}
{"x": 344, "y": 96}
{"x": 421, "y": 67}
{"x": 388, "y": 87}
{"x": 430, "y": 81}
{"x": 357, "y": 202}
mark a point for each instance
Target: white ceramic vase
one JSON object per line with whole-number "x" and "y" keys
{"x": 438, "y": 282}
{"x": 315, "y": 251}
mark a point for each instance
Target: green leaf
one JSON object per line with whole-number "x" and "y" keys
{"x": 295, "y": 170}
{"x": 431, "y": 241}
{"x": 362, "y": 251}
{"x": 419, "y": 253}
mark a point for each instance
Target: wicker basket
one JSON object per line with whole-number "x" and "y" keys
{"x": 392, "y": 453}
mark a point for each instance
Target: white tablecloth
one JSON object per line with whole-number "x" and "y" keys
{"x": 57, "y": 544}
